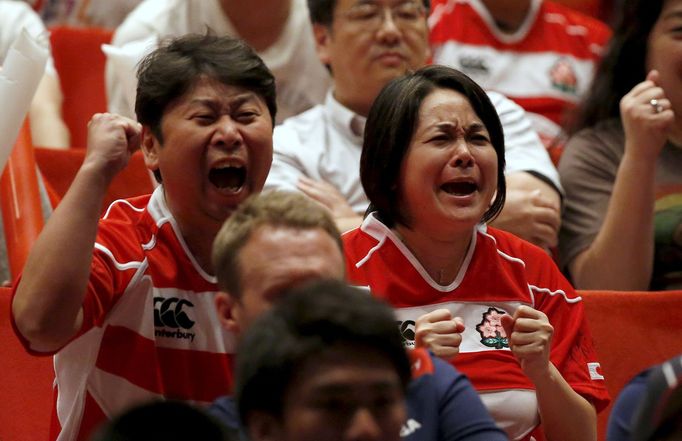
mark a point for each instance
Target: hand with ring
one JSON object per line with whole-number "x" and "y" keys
{"x": 658, "y": 107}
{"x": 647, "y": 118}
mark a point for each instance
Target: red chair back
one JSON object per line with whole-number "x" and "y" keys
{"x": 80, "y": 62}
{"x": 631, "y": 331}
{"x": 26, "y": 393}
{"x": 20, "y": 200}
{"x": 59, "y": 167}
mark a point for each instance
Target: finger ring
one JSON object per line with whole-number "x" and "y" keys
{"x": 658, "y": 108}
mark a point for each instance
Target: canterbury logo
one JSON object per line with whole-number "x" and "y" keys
{"x": 169, "y": 313}
{"x": 474, "y": 66}
{"x": 406, "y": 329}
{"x": 593, "y": 369}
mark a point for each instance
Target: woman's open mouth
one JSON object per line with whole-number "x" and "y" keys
{"x": 459, "y": 188}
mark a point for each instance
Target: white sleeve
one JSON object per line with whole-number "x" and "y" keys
{"x": 523, "y": 149}
{"x": 287, "y": 166}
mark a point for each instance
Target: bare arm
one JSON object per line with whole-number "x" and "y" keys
{"x": 621, "y": 255}
{"x": 565, "y": 415}
{"x": 532, "y": 210}
{"x": 47, "y": 125}
{"x": 47, "y": 306}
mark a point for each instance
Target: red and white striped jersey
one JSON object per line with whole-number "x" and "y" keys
{"x": 545, "y": 66}
{"x": 500, "y": 273}
{"x": 150, "y": 328}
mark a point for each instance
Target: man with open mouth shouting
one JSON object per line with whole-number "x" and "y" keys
{"x": 126, "y": 302}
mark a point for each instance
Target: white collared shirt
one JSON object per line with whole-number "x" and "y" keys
{"x": 321, "y": 144}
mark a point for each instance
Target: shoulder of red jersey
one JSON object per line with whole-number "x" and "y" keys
{"x": 598, "y": 31}
{"x": 126, "y": 210}
{"x": 543, "y": 275}
{"x": 358, "y": 242}
{"x": 510, "y": 244}
{"x": 124, "y": 228}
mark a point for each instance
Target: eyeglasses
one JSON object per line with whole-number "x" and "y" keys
{"x": 370, "y": 16}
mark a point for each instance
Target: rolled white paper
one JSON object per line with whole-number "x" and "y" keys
{"x": 19, "y": 78}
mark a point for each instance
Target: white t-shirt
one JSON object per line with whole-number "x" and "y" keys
{"x": 301, "y": 78}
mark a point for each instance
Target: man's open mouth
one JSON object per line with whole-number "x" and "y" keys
{"x": 229, "y": 177}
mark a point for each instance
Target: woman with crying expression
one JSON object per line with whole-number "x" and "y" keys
{"x": 494, "y": 305}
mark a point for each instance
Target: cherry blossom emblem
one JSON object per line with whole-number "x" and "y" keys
{"x": 491, "y": 330}
{"x": 563, "y": 77}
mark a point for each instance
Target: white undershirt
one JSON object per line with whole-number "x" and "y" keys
{"x": 515, "y": 411}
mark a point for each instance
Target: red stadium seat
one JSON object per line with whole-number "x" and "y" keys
{"x": 26, "y": 393}
{"x": 20, "y": 200}
{"x": 632, "y": 331}
{"x": 80, "y": 62}
{"x": 59, "y": 167}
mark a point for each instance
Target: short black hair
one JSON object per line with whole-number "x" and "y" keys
{"x": 322, "y": 11}
{"x": 306, "y": 321}
{"x": 390, "y": 127}
{"x": 172, "y": 69}
{"x": 164, "y": 421}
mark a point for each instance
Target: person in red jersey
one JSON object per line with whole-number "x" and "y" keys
{"x": 495, "y": 305}
{"x": 127, "y": 302}
{"x": 539, "y": 53}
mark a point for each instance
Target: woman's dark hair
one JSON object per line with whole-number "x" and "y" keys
{"x": 622, "y": 67}
{"x": 306, "y": 322}
{"x": 390, "y": 127}
{"x": 171, "y": 70}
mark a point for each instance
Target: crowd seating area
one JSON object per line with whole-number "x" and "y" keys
{"x": 80, "y": 64}
{"x": 631, "y": 330}
{"x": 21, "y": 200}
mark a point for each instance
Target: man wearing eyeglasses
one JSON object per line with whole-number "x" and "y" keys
{"x": 365, "y": 44}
